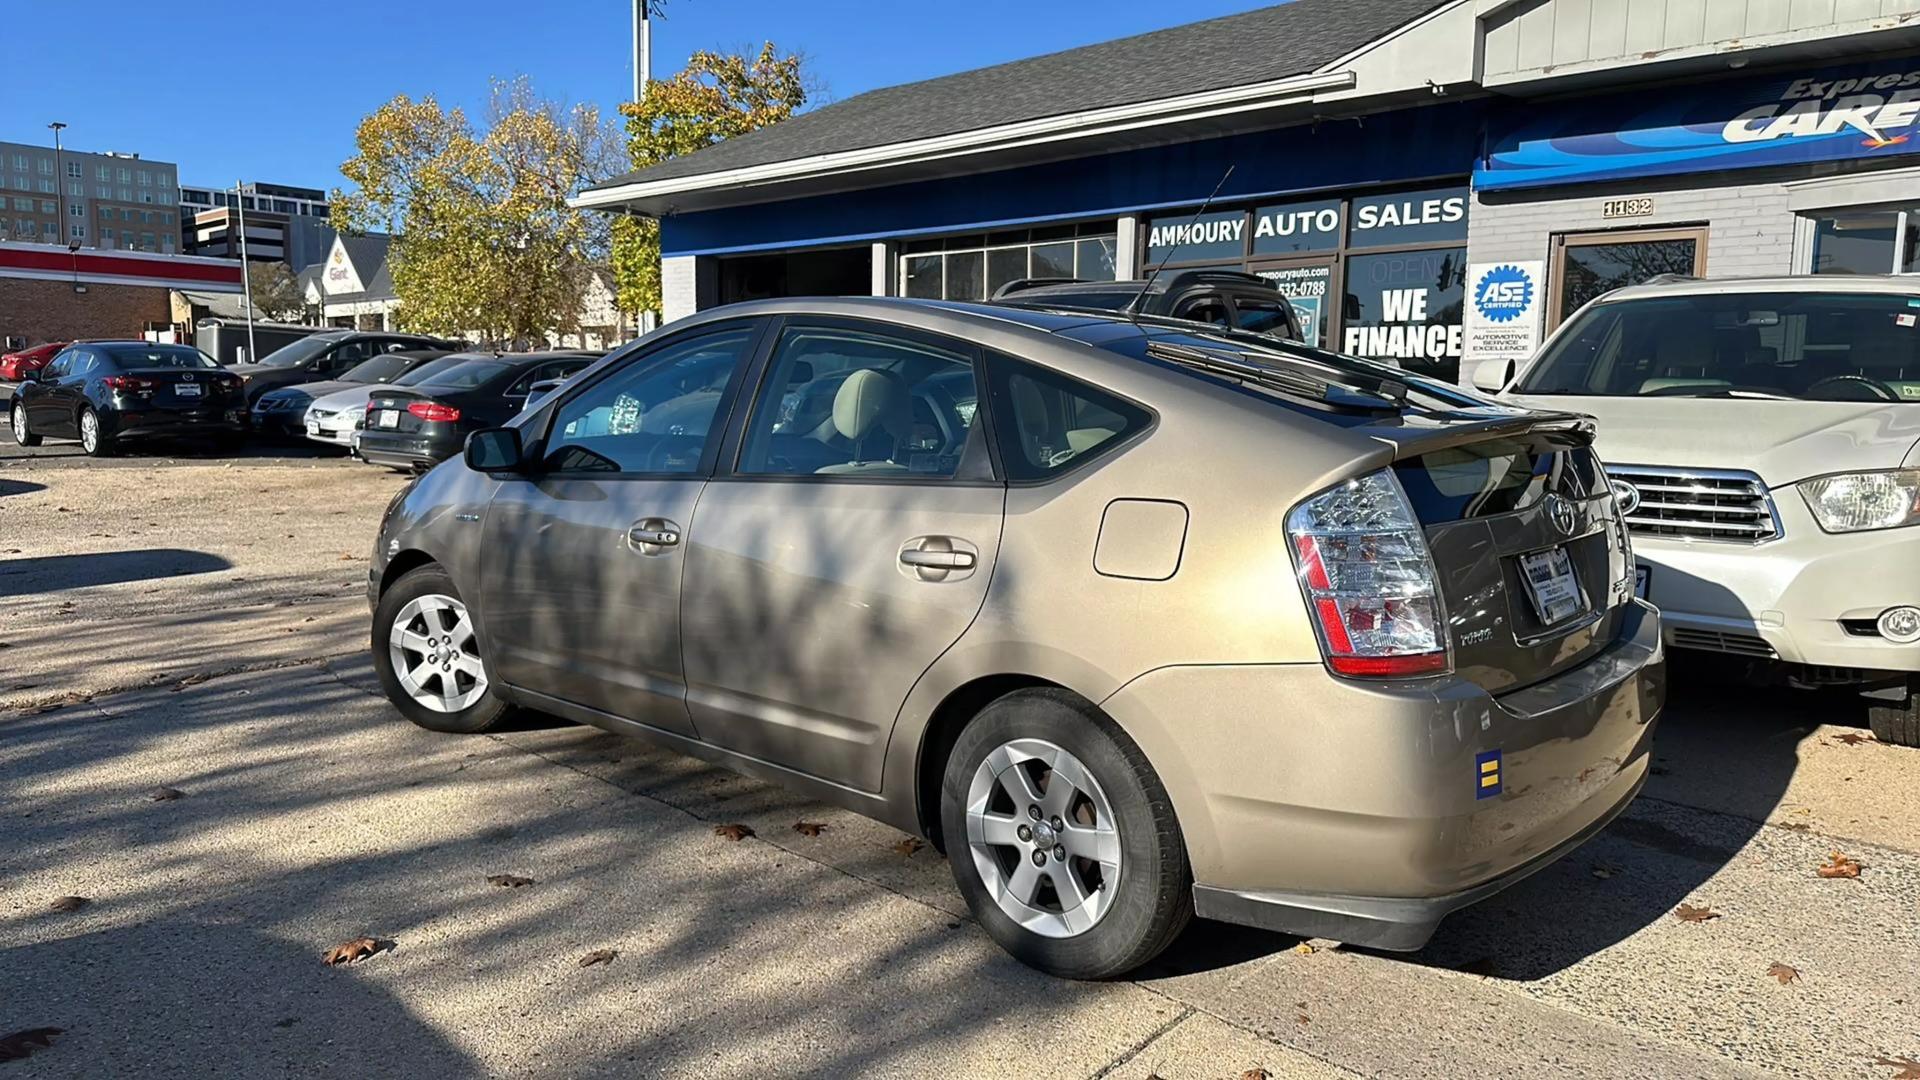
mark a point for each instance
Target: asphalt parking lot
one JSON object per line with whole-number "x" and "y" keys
{"x": 198, "y": 625}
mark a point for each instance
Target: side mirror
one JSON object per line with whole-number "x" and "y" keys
{"x": 495, "y": 450}
{"x": 1492, "y": 375}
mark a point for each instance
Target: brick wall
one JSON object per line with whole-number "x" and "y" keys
{"x": 50, "y": 310}
{"x": 1750, "y": 228}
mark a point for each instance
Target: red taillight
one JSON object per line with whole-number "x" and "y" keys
{"x": 433, "y": 411}
{"x": 1389, "y": 667}
{"x": 128, "y": 384}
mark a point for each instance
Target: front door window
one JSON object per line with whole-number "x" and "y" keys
{"x": 1592, "y": 264}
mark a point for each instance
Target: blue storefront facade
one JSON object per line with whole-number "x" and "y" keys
{"x": 1454, "y": 217}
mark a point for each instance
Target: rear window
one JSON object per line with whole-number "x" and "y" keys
{"x": 377, "y": 370}
{"x": 1797, "y": 345}
{"x": 160, "y": 356}
{"x": 1497, "y": 476}
{"x": 465, "y": 375}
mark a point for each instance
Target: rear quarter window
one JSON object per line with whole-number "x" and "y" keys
{"x": 1047, "y": 424}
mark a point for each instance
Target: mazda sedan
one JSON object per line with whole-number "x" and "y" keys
{"x": 106, "y": 393}
{"x": 1135, "y": 622}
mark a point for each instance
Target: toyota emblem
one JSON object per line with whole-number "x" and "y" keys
{"x": 1560, "y": 512}
{"x": 1626, "y": 495}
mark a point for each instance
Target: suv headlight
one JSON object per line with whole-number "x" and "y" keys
{"x": 1858, "y": 502}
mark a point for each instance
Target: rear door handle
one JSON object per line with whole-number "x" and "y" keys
{"x": 937, "y": 560}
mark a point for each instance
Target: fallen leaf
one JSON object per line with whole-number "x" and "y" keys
{"x": 21, "y": 1043}
{"x": 733, "y": 832}
{"x": 69, "y": 903}
{"x": 508, "y": 881}
{"x": 909, "y": 845}
{"x": 1851, "y": 738}
{"x": 359, "y": 948}
{"x": 599, "y": 956}
{"x": 1796, "y": 826}
{"x": 809, "y": 828}
{"x": 1909, "y": 1068}
{"x": 1303, "y": 949}
{"x": 1256, "y": 1073}
{"x": 1782, "y": 972}
{"x": 1689, "y": 913}
{"x": 165, "y": 794}
{"x": 191, "y": 680}
{"x": 1838, "y": 866}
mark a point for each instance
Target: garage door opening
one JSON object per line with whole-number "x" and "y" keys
{"x": 836, "y": 272}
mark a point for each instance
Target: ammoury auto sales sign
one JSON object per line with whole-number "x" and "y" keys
{"x": 1832, "y": 114}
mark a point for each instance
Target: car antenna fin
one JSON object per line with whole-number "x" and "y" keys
{"x": 1133, "y": 308}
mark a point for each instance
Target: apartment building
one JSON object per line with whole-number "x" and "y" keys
{"x": 115, "y": 201}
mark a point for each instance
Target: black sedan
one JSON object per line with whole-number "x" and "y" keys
{"x": 105, "y": 392}
{"x": 419, "y": 426}
{"x": 283, "y": 411}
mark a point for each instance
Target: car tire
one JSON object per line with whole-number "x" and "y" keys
{"x": 1896, "y": 724}
{"x": 17, "y": 422}
{"x": 1104, "y": 918}
{"x": 93, "y": 438}
{"x": 457, "y": 695}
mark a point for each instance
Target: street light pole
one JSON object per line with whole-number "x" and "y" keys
{"x": 59, "y": 177}
{"x": 246, "y": 270}
{"x": 642, "y": 48}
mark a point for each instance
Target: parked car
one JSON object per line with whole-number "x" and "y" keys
{"x": 108, "y": 392}
{"x": 418, "y": 426}
{"x": 1134, "y": 622}
{"x": 15, "y": 365}
{"x": 325, "y": 355}
{"x": 333, "y": 418}
{"x": 1765, "y": 436}
{"x": 1221, "y": 297}
{"x": 284, "y": 411}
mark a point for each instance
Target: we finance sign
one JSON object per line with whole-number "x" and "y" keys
{"x": 1829, "y": 114}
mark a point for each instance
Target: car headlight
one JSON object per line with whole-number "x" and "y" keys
{"x": 1858, "y": 502}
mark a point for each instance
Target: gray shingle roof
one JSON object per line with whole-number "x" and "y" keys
{"x": 1237, "y": 50}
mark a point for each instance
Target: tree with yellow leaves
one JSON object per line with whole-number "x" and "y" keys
{"x": 484, "y": 241}
{"x": 717, "y": 97}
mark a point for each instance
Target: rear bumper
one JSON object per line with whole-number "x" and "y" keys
{"x": 1354, "y": 810}
{"x": 405, "y": 451}
{"x": 285, "y": 423}
{"x": 158, "y": 423}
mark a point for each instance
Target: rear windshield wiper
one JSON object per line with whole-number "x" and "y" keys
{"x": 1388, "y": 396}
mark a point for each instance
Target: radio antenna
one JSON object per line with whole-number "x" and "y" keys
{"x": 1133, "y": 308}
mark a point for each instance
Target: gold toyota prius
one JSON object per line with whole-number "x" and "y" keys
{"x": 1135, "y": 619}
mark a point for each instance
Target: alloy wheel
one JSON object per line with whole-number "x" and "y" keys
{"x": 435, "y": 654}
{"x": 20, "y": 424}
{"x": 89, "y": 431}
{"x": 1043, "y": 837}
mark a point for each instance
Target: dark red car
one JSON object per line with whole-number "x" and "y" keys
{"x": 15, "y": 365}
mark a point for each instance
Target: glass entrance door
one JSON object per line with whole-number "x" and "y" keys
{"x": 1585, "y": 265}
{"x": 1308, "y": 286}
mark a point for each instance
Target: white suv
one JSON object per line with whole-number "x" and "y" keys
{"x": 1764, "y": 439}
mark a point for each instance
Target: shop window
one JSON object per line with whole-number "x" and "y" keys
{"x": 1867, "y": 242}
{"x": 1054, "y": 260}
{"x": 1005, "y": 266}
{"x": 1585, "y": 266}
{"x": 974, "y": 266}
{"x": 1093, "y": 259}
{"x": 966, "y": 275}
{"x": 1407, "y": 307}
{"x": 923, "y": 277}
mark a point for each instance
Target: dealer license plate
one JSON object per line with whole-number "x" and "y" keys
{"x": 187, "y": 389}
{"x": 389, "y": 418}
{"x": 313, "y": 428}
{"x": 1642, "y": 580}
{"x": 1551, "y": 585}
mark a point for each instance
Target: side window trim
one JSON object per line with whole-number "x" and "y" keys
{"x": 762, "y": 369}
{"x": 550, "y": 409}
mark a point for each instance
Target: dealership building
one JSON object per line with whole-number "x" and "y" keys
{"x": 1433, "y": 183}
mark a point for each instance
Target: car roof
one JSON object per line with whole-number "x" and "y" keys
{"x": 1674, "y": 285}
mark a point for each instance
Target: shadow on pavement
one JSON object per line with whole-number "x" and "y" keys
{"x": 19, "y": 487}
{"x": 53, "y": 573}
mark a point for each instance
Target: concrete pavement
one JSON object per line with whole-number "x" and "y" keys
{"x": 313, "y": 814}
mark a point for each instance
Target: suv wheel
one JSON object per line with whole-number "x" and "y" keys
{"x": 20, "y": 433}
{"x": 428, "y": 657}
{"x": 1062, "y": 839}
{"x": 1896, "y": 724}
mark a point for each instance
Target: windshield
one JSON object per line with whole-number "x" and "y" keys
{"x": 1790, "y": 345}
{"x": 161, "y": 356}
{"x": 379, "y": 369}
{"x": 464, "y": 375}
{"x": 299, "y": 352}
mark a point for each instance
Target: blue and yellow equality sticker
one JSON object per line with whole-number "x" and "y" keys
{"x": 1486, "y": 774}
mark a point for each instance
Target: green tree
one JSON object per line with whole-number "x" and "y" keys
{"x": 276, "y": 292}
{"x": 715, "y": 98}
{"x": 484, "y": 241}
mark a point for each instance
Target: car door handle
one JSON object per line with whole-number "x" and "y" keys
{"x": 659, "y": 537}
{"x": 937, "y": 560}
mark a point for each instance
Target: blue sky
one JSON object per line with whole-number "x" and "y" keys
{"x": 218, "y": 87}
